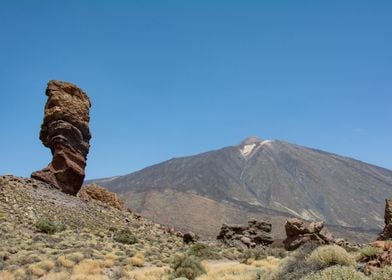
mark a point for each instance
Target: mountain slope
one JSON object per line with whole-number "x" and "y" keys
{"x": 256, "y": 178}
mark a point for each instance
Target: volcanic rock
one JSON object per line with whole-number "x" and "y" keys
{"x": 65, "y": 131}
{"x": 246, "y": 236}
{"x": 387, "y": 232}
{"x": 298, "y": 233}
{"x": 382, "y": 257}
{"x": 99, "y": 193}
{"x": 190, "y": 237}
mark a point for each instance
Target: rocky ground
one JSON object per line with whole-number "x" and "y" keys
{"x": 86, "y": 238}
{"x": 86, "y": 230}
{"x": 46, "y": 234}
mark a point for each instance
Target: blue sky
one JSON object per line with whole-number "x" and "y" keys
{"x": 175, "y": 78}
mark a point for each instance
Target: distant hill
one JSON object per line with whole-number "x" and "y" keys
{"x": 259, "y": 178}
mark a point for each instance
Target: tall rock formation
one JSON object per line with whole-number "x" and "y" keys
{"x": 65, "y": 130}
{"x": 387, "y": 232}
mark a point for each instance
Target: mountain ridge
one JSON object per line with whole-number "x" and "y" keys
{"x": 267, "y": 176}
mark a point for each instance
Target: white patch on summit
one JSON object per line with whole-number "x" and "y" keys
{"x": 266, "y": 142}
{"x": 247, "y": 149}
{"x": 251, "y": 145}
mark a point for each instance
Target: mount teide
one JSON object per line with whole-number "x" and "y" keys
{"x": 258, "y": 179}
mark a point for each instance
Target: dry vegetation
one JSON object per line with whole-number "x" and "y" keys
{"x": 45, "y": 234}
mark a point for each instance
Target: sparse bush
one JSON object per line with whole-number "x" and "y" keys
{"x": 48, "y": 226}
{"x": 296, "y": 266}
{"x": 204, "y": 252}
{"x": 46, "y": 265}
{"x": 137, "y": 260}
{"x": 368, "y": 252}
{"x": 110, "y": 256}
{"x": 254, "y": 254}
{"x": 87, "y": 267}
{"x": 186, "y": 266}
{"x": 276, "y": 252}
{"x": 2, "y": 216}
{"x": 384, "y": 273}
{"x": 336, "y": 273}
{"x": 125, "y": 237}
{"x": 29, "y": 259}
{"x": 330, "y": 255}
{"x": 65, "y": 262}
{"x": 75, "y": 257}
{"x": 108, "y": 263}
{"x": 36, "y": 270}
{"x": 151, "y": 273}
{"x": 62, "y": 275}
{"x": 262, "y": 253}
{"x": 19, "y": 273}
{"x": 6, "y": 275}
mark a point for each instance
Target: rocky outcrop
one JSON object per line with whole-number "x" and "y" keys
{"x": 65, "y": 131}
{"x": 190, "y": 237}
{"x": 381, "y": 258}
{"x": 101, "y": 194}
{"x": 299, "y": 233}
{"x": 246, "y": 236}
{"x": 387, "y": 232}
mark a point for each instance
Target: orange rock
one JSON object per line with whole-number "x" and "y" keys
{"x": 99, "y": 193}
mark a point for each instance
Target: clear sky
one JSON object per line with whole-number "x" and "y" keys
{"x": 175, "y": 78}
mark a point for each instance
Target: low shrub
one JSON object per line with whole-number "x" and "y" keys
{"x": 48, "y": 226}
{"x": 186, "y": 266}
{"x": 63, "y": 261}
{"x": 6, "y": 275}
{"x": 255, "y": 254}
{"x": 75, "y": 257}
{"x": 262, "y": 253}
{"x": 87, "y": 267}
{"x": 368, "y": 253}
{"x": 336, "y": 273}
{"x": 384, "y": 273}
{"x": 276, "y": 252}
{"x": 330, "y": 255}
{"x": 36, "y": 270}
{"x": 46, "y": 265}
{"x": 125, "y": 237}
{"x": 204, "y": 252}
{"x": 137, "y": 260}
{"x": 296, "y": 266}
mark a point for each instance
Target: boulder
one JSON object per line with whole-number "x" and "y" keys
{"x": 299, "y": 233}
{"x": 382, "y": 258}
{"x": 246, "y": 236}
{"x": 65, "y": 131}
{"x": 190, "y": 237}
{"x": 101, "y": 194}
